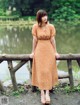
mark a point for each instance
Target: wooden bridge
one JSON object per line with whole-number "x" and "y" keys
{"x": 24, "y": 58}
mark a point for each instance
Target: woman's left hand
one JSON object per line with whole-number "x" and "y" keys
{"x": 57, "y": 55}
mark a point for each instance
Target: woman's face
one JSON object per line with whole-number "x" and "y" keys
{"x": 44, "y": 19}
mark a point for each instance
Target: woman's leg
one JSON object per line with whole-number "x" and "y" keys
{"x": 43, "y": 96}
{"x": 47, "y": 95}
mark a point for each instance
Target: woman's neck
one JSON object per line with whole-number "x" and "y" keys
{"x": 43, "y": 24}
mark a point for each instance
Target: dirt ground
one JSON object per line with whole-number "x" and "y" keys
{"x": 57, "y": 98}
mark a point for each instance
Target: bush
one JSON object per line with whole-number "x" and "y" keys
{"x": 2, "y": 13}
{"x": 64, "y": 10}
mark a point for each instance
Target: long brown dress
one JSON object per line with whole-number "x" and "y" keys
{"x": 44, "y": 68}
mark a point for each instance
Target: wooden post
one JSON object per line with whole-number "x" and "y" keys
{"x": 31, "y": 68}
{"x": 12, "y": 73}
{"x": 78, "y": 61}
{"x": 69, "y": 63}
{"x": 34, "y": 88}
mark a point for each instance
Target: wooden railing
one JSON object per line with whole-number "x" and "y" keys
{"x": 24, "y": 58}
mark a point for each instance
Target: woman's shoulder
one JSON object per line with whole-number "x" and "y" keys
{"x": 35, "y": 25}
{"x": 51, "y": 25}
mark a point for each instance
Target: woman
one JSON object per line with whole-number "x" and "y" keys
{"x": 44, "y": 69}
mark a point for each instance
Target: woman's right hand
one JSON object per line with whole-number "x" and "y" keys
{"x": 31, "y": 55}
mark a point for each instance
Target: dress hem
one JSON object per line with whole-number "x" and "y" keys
{"x": 46, "y": 88}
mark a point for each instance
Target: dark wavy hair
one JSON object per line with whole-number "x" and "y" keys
{"x": 40, "y": 13}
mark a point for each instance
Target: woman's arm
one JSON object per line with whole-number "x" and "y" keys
{"x": 34, "y": 44}
{"x": 53, "y": 42}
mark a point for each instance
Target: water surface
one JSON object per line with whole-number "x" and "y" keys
{"x": 18, "y": 40}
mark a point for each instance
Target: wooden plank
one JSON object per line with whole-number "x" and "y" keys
{"x": 27, "y": 57}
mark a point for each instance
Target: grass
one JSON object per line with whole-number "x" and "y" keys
{"x": 16, "y": 20}
{"x": 59, "y": 88}
{"x": 67, "y": 89}
{"x": 15, "y": 17}
{"x": 15, "y": 93}
{"x": 16, "y": 23}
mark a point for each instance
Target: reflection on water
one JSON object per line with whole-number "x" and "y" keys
{"x": 21, "y": 75}
{"x": 14, "y": 40}
{"x": 18, "y": 40}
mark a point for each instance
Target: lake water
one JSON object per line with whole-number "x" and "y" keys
{"x": 18, "y": 40}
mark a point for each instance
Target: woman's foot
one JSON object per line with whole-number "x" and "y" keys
{"x": 42, "y": 97}
{"x": 47, "y": 97}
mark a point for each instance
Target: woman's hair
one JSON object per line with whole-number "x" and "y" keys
{"x": 39, "y": 15}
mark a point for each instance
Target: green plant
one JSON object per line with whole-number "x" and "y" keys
{"x": 15, "y": 93}
{"x": 18, "y": 92}
{"x": 64, "y": 10}
{"x": 2, "y": 13}
{"x": 21, "y": 89}
{"x": 67, "y": 89}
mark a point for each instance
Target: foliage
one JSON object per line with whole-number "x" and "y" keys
{"x": 65, "y": 10}
{"x": 2, "y": 13}
{"x": 29, "y": 18}
{"x": 15, "y": 17}
{"x": 67, "y": 89}
{"x": 18, "y": 92}
{"x": 58, "y": 10}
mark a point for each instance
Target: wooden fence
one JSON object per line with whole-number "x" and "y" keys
{"x": 24, "y": 58}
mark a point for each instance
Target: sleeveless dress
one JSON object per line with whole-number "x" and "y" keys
{"x": 44, "y": 68}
